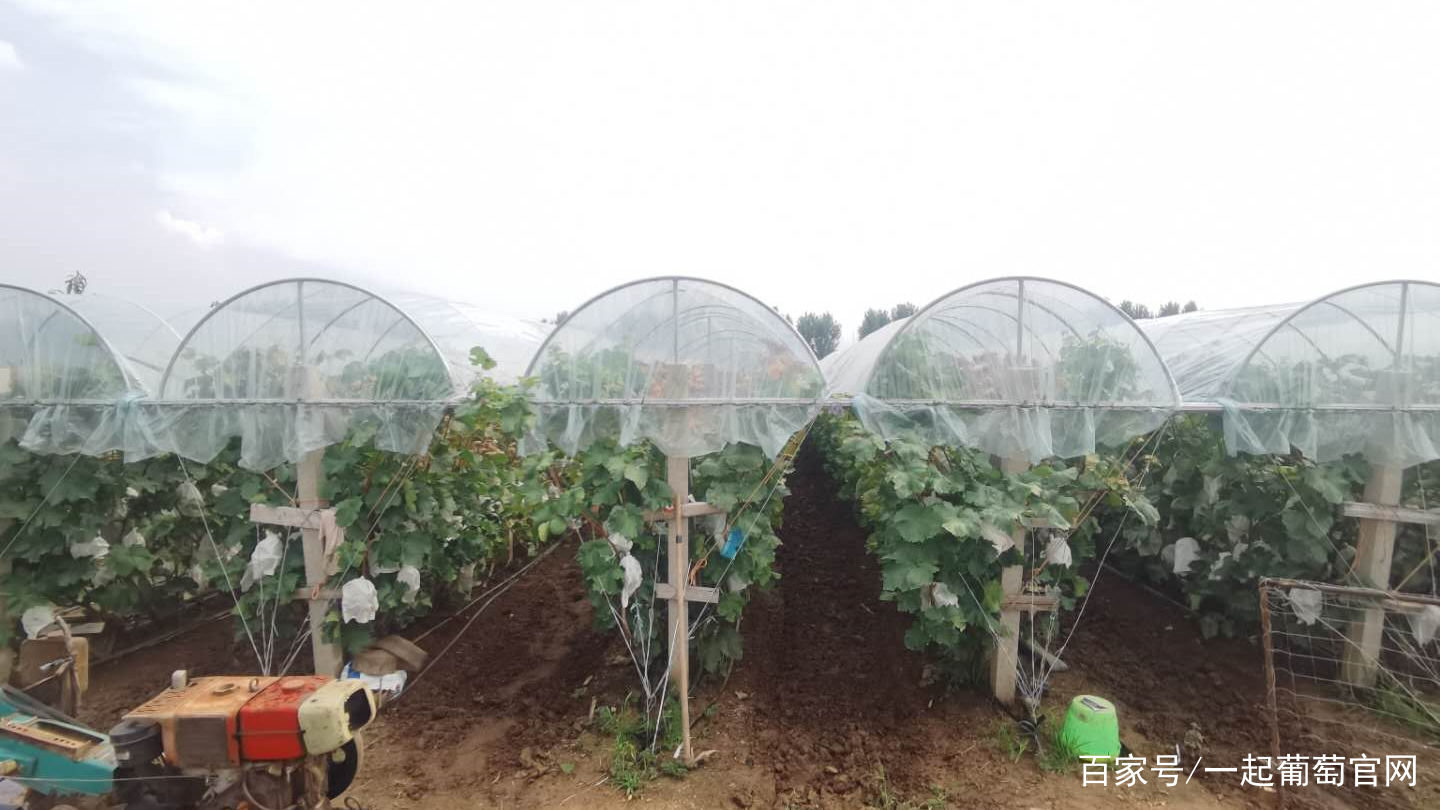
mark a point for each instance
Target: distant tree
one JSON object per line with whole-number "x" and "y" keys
{"x": 75, "y": 283}
{"x": 1137, "y": 311}
{"x": 876, "y": 318}
{"x": 873, "y": 320}
{"x": 822, "y": 332}
{"x": 1190, "y": 306}
{"x": 560, "y": 317}
{"x": 1169, "y": 308}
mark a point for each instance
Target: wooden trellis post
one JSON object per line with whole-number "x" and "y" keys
{"x": 320, "y": 536}
{"x": 1004, "y": 666}
{"x": 1007, "y": 645}
{"x": 318, "y": 532}
{"x": 317, "y": 560}
{"x": 1378, "y": 515}
{"x": 1373, "y": 556}
{"x": 678, "y": 591}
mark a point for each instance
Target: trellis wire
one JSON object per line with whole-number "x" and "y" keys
{"x": 225, "y": 571}
{"x": 1311, "y": 707}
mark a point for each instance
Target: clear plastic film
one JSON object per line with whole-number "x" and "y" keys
{"x": 285, "y": 367}
{"x": 1019, "y": 367}
{"x": 297, "y": 365}
{"x": 69, "y": 365}
{"x": 1357, "y": 371}
{"x": 689, "y": 364}
{"x": 458, "y": 327}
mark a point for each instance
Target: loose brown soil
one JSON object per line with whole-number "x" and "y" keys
{"x": 826, "y": 709}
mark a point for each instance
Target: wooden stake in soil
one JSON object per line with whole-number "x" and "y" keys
{"x": 326, "y": 654}
{"x": 1003, "y": 667}
{"x": 678, "y": 554}
{"x": 1268, "y": 645}
{"x": 1373, "y": 556}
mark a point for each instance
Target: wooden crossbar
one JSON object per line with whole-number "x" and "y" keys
{"x": 693, "y": 593}
{"x": 290, "y": 516}
{"x": 1391, "y": 514}
{"x": 1030, "y": 602}
{"x": 691, "y": 510}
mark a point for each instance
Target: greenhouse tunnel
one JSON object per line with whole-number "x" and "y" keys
{"x": 689, "y": 364}
{"x": 1020, "y": 367}
{"x": 296, "y": 365}
{"x": 69, "y": 365}
{"x": 1356, "y": 371}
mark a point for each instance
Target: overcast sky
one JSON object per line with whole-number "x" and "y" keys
{"x": 828, "y": 155}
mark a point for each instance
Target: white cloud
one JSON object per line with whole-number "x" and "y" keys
{"x": 201, "y": 235}
{"x": 9, "y": 57}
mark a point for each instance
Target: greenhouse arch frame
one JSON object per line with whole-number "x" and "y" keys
{"x": 577, "y": 403}
{"x": 219, "y": 308}
{"x": 63, "y": 307}
{"x": 1347, "y": 382}
{"x": 1031, "y": 409}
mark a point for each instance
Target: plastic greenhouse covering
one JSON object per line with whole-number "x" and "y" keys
{"x": 1357, "y": 371}
{"x": 70, "y": 364}
{"x": 689, "y": 364}
{"x": 287, "y": 367}
{"x": 296, "y": 365}
{"x": 1019, "y": 367}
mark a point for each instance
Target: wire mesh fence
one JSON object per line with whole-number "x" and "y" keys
{"x": 1353, "y": 676}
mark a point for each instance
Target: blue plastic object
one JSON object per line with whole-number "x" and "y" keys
{"x": 733, "y": 542}
{"x": 26, "y": 727}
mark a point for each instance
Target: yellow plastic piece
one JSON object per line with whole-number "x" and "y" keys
{"x": 331, "y": 715}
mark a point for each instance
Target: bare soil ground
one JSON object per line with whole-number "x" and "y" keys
{"x": 826, "y": 709}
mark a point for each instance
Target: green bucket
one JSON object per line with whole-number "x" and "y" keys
{"x": 1091, "y": 727}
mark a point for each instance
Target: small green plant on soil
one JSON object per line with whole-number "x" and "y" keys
{"x": 1011, "y": 742}
{"x": 1054, "y": 753}
{"x": 884, "y": 796}
{"x": 1406, "y": 708}
{"x": 1057, "y": 753}
{"x": 637, "y": 755}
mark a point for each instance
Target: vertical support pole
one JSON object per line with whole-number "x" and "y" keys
{"x": 308, "y": 476}
{"x": 677, "y": 469}
{"x": 1004, "y": 665}
{"x": 1373, "y": 556}
{"x": 1271, "y": 698}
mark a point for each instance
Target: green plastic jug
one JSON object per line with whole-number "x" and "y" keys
{"x": 1091, "y": 727}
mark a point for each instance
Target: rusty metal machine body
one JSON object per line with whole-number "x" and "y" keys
{"x": 228, "y": 742}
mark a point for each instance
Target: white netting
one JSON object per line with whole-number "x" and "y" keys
{"x": 1019, "y": 367}
{"x": 1354, "y": 689}
{"x": 458, "y": 327}
{"x": 68, "y": 364}
{"x": 297, "y": 365}
{"x": 688, "y": 364}
{"x": 286, "y": 367}
{"x": 1353, "y": 372}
